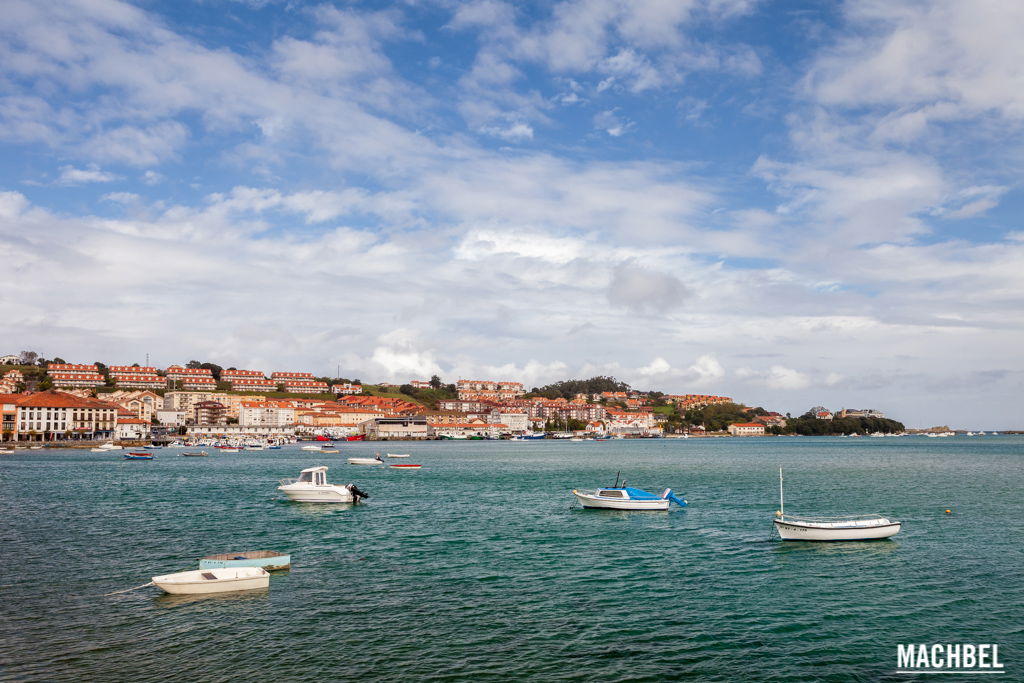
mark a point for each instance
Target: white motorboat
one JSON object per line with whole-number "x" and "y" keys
{"x": 214, "y": 580}
{"x": 855, "y": 528}
{"x": 6, "y": 451}
{"x": 398, "y": 455}
{"x": 109, "y": 446}
{"x": 627, "y": 498}
{"x": 312, "y": 487}
{"x": 366, "y": 461}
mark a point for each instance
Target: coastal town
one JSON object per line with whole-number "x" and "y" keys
{"x": 57, "y": 401}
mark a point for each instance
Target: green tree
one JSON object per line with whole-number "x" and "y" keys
{"x": 717, "y": 417}
{"x": 45, "y": 384}
{"x": 569, "y": 388}
{"x": 214, "y": 369}
{"x": 435, "y": 382}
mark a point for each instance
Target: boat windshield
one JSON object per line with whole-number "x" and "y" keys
{"x": 610, "y": 494}
{"x": 306, "y": 477}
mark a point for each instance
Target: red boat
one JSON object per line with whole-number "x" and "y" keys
{"x": 406, "y": 467}
{"x": 357, "y": 437}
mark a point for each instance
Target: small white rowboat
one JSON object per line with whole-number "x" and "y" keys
{"x": 214, "y": 580}
{"x": 398, "y": 455}
{"x": 862, "y": 528}
{"x": 365, "y": 461}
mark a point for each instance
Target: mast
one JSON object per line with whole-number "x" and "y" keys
{"x": 782, "y": 503}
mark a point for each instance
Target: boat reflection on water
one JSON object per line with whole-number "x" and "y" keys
{"x": 799, "y": 549}
{"x": 213, "y": 599}
{"x": 318, "y": 509}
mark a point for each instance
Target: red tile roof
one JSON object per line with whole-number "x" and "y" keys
{"x": 58, "y": 399}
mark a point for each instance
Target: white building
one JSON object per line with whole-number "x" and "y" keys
{"x": 172, "y": 418}
{"x": 132, "y": 429}
{"x": 517, "y": 423}
{"x": 746, "y": 429}
{"x": 253, "y": 414}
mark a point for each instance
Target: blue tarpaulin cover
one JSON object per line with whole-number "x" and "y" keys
{"x": 640, "y": 494}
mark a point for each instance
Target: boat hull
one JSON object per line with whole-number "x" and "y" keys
{"x": 596, "y": 503}
{"x": 792, "y": 531}
{"x": 223, "y": 581}
{"x": 364, "y": 461}
{"x": 318, "y": 494}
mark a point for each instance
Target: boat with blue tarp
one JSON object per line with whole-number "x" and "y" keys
{"x": 627, "y": 498}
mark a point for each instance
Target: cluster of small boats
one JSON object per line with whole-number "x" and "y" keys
{"x": 378, "y": 460}
{"x": 249, "y": 570}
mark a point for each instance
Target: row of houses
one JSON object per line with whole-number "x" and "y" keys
{"x": 85, "y": 376}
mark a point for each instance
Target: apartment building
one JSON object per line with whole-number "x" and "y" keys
{"x": 282, "y": 377}
{"x": 52, "y": 415}
{"x": 10, "y": 381}
{"x": 252, "y": 384}
{"x": 232, "y": 375}
{"x": 9, "y": 417}
{"x": 75, "y": 375}
{"x": 136, "y": 377}
{"x": 254, "y": 413}
{"x": 209, "y": 413}
{"x": 304, "y": 386}
{"x": 142, "y": 404}
{"x": 488, "y": 390}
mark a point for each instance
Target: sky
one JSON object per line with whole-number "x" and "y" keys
{"x": 793, "y": 204}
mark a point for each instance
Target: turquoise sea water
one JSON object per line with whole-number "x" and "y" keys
{"x": 478, "y": 568}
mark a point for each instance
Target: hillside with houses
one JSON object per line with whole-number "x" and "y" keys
{"x": 54, "y": 400}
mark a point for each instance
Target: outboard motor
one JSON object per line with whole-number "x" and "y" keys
{"x": 357, "y": 493}
{"x": 674, "y": 498}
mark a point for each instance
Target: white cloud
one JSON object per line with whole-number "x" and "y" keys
{"x": 642, "y": 290}
{"x": 911, "y": 55}
{"x": 398, "y": 357}
{"x": 69, "y": 175}
{"x": 611, "y": 123}
{"x": 776, "y": 377}
{"x": 516, "y": 132}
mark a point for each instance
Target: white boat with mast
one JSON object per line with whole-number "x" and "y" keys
{"x": 855, "y": 528}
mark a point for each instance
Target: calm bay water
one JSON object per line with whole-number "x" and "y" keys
{"x": 477, "y": 567}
